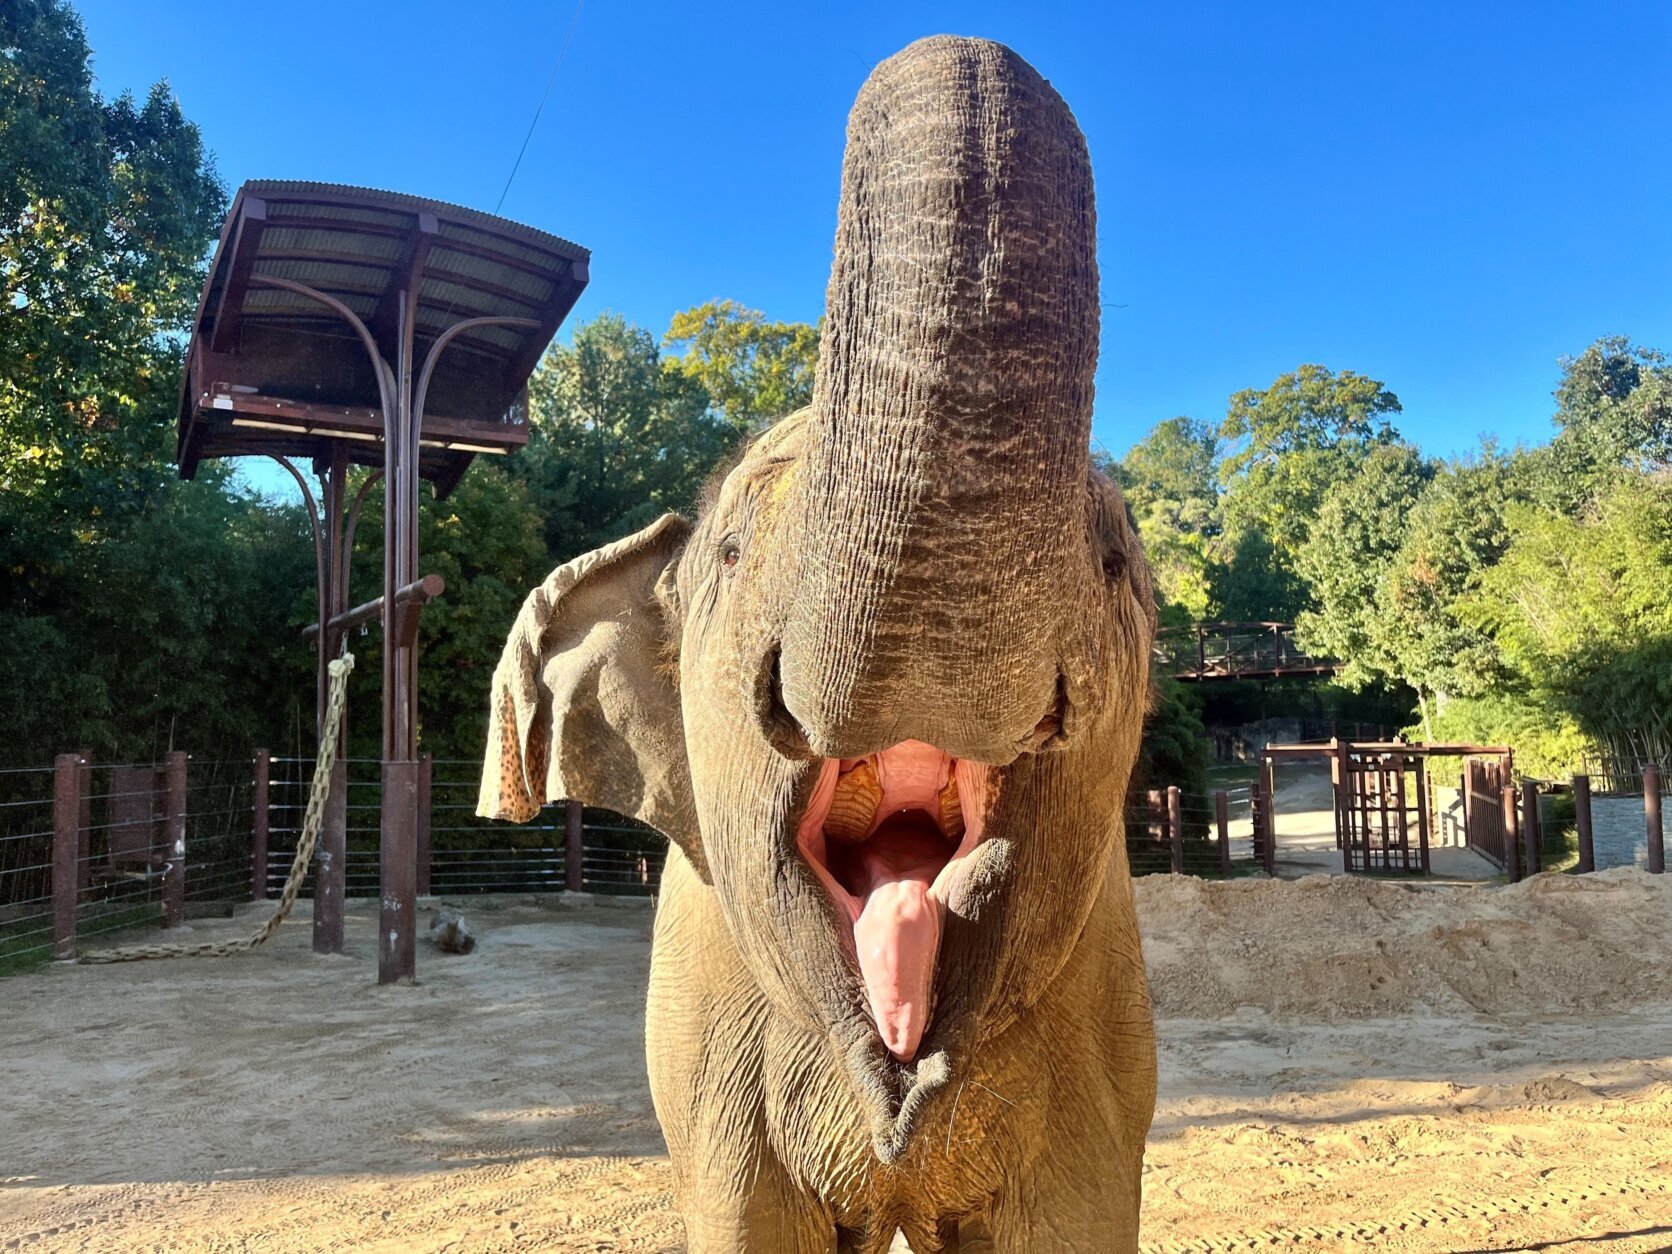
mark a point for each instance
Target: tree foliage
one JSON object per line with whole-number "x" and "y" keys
{"x": 1613, "y": 412}
{"x": 1289, "y": 442}
{"x": 754, "y": 370}
{"x": 1345, "y": 561}
{"x": 1580, "y": 608}
{"x": 618, "y": 436}
{"x": 1168, "y": 481}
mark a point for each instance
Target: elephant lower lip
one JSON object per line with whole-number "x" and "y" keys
{"x": 883, "y": 835}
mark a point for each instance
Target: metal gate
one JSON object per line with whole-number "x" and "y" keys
{"x": 1381, "y": 803}
{"x": 1486, "y": 827}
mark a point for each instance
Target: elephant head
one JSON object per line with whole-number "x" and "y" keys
{"x": 885, "y": 694}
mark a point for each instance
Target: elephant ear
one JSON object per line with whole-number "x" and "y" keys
{"x": 585, "y": 702}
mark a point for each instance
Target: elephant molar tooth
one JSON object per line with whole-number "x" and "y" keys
{"x": 951, "y": 811}
{"x": 858, "y": 793}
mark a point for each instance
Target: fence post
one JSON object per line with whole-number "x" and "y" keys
{"x": 1530, "y": 826}
{"x": 1425, "y": 829}
{"x": 1222, "y": 820}
{"x": 426, "y": 769}
{"x": 1582, "y": 820}
{"x": 572, "y": 846}
{"x": 1175, "y": 827}
{"x": 1512, "y": 835}
{"x": 1268, "y": 776}
{"x": 66, "y": 846}
{"x": 1651, "y": 820}
{"x": 84, "y": 818}
{"x": 331, "y": 864}
{"x": 260, "y": 796}
{"x": 174, "y": 839}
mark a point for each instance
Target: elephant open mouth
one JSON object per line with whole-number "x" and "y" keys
{"x": 887, "y": 835}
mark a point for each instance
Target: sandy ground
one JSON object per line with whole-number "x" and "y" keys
{"x": 1344, "y": 1064}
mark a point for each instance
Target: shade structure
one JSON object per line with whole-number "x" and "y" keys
{"x": 272, "y": 370}
{"x": 344, "y": 326}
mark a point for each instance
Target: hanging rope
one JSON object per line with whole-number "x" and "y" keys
{"x": 304, "y": 847}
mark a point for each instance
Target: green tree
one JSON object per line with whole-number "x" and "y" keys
{"x": 1168, "y": 481}
{"x": 1249, "y": 581}
{"x": 1613, "y": 411}
{"x": 135, "y": 611}
{"x": 106, "y": 208}
{"x": 1289, "y": 442}
{"x": 1579, "y": 608}
{"x": 1456, "y": 532}
{"x": 1360, "y": 527}
{"x": 617, "y": 436}
{"x": 753, "y": 370}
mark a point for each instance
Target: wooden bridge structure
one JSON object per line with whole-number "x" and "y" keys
{"x": 1209, "y": 651}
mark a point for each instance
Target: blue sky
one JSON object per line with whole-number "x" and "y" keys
{"x": 1447, "y": 197}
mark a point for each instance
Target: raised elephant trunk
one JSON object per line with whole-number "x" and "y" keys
{"x": 948, "y": 443}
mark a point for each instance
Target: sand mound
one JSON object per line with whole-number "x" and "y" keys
{"x": 1341, "y": 947}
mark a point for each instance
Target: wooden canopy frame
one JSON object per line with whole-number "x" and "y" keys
{"x": 332, "y": 317}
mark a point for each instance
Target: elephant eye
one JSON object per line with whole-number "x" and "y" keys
{"x": 730, "y": 553}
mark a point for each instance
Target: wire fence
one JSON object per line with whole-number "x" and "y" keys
{"x": 105, "y": 832}
{"x": 467, "y": 854}
{"x": 1203, "y": 846}
{"x": 86, "y": 848}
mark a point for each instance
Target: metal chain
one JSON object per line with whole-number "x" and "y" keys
{"x": 311, "y": 821}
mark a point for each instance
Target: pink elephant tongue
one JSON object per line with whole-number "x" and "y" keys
{"x": 898, "y": 930}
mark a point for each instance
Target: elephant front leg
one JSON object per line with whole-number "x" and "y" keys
{"x": 742, "y": 1203}
{"x": 704, "y": 1025}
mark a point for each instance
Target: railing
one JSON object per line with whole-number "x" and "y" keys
{"x": 1204, "y": 651}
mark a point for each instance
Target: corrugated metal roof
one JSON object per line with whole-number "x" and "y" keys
{"x": 463, "y": 217}
{"x": 255, "y": 345}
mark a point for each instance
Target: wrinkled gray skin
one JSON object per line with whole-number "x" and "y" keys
{"x": 924, "y": 554}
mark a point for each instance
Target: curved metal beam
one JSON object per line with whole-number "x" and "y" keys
{"x": 316, "y": 524}
{"x": 442, "y": 341}
{"x": 353, "y": 518}
{"x": 347, "y": 315}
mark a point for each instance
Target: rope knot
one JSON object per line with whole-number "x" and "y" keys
{"x": 341, "y": 666}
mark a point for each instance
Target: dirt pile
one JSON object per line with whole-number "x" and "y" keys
{"x": 1338, "y": 947}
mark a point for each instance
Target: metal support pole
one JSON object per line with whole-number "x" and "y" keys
{"x": 66, "y": 846}
{"x": 1651, "y": 820}
{"x": 1582, "y": 820}
{"x": 260, "y": 802}
{"x": 330, "y": 862}
{"x": 1512, "y": 835}
{"x": 174, "y": 841}
{"x": 1175, "y": 828}
{"x": 1530, "y": 831}
{"x": 426, "y": 767}
{"x": 1222, "y": 820}
{"x": 572, "y": 833}
{"x": 397, "y": 922}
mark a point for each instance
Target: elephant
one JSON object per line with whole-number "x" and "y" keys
{"x": 883, "y": 697}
